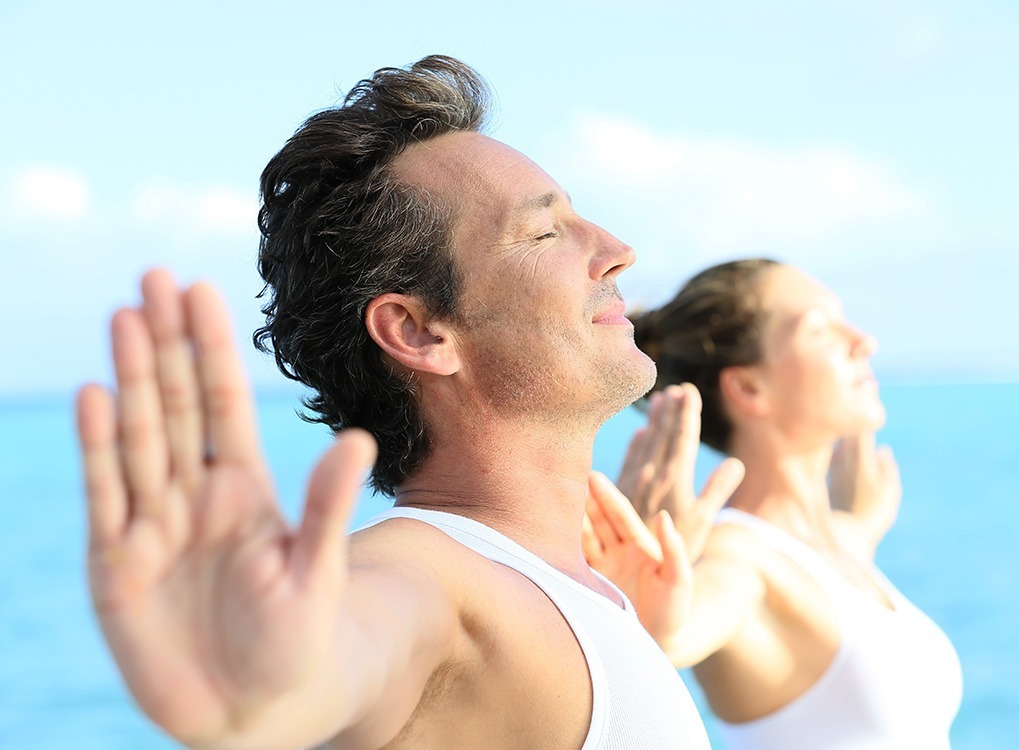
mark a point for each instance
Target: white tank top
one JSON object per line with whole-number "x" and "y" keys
{"x": 895, "y": 682}
{"x": 640, "y": 702}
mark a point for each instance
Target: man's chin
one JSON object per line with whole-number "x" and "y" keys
{"x": 631, "y": 380}
{"x": 645, "y": 376}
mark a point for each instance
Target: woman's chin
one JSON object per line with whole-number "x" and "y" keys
{"x": 869, "y": 419}
{"x": 874, "y": 418}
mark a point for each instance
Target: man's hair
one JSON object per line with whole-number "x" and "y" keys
{"x": 339, "y": 229}
{"x": 713, "y": 322}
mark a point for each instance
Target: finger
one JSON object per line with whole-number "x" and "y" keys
{"x": 675, "y": 565}
{"x": 688, "y": 439}
{"x": 838, "y": 453}
{"x": 332, "y": 494}
{"x": 649, "y": 443}
{"x": 104, "y": 482}
{"x": 865, "y": 449}
{"x": 843, "y": 467}
{"x": 600, "y": 524}
{"x": 637, "y": 455}
{"x": 621, "y": 515}
{"x": 722, "y": 482}
{"x": 669, "y": 477}
{"x": 142, "y": 432}
{"x": 652, "y": 480}
{"x": 633, "y": 462}
{"x": 889, "y": 466}
{"x": 660, "y": 429}
{"x": 227, "y": 400}
{"x": 646, "y": 497}
{"x": 178, "y": 379}
{"x": 851, "y": 448}
{"x": 590, "y": 544}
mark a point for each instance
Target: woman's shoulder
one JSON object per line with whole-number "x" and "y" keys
{"x": 736, "y": 537}
{"x": 735, "y": 553}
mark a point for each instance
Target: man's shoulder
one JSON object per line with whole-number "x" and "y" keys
{"x": 416, "y": 551}
{"x": 497, "y": 659}
{"x": 397, "y": 540}
{"x": 420, "y": 549}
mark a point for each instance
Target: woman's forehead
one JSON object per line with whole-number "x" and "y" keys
{"x": 785, "y": 289}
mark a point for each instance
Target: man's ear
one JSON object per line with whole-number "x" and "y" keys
{"x": 744, "y": 390}
{"x": 406, "y": 331}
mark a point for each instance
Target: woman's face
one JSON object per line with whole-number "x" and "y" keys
{"x": 816, "y": 366}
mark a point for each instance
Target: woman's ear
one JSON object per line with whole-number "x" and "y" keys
{"x": 744, "y": 390}
{"x": 409, "y": 334}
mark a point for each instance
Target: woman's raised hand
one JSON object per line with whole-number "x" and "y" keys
{"x": 658, "y": 471}
{"x": 650, "y": 565}
{"x": 864, "y": 483}
{"x": 644, "y": 534}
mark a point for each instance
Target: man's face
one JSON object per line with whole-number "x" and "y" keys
{"x": 543, "y": 331}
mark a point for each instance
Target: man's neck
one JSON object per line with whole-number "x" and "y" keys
{"x": 519, "y": 477}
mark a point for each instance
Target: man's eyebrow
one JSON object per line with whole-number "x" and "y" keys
{"x": 542, "y": 201}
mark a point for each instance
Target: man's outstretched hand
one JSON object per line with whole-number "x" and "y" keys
{"x": 226, "y": 623}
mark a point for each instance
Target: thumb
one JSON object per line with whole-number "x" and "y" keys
{"x": 590, "y": 543}
{"x": 890, "y": 468}
{"x": 886, "y": 459}
{"x": 332, "y": 494}
{"x": 675, "y": 566}
{"x": 721, "y": 484}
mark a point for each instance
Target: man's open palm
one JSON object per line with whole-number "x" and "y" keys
{"x": 217, "y": 612}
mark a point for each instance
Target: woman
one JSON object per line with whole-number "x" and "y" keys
{"x": 796, "y": 638}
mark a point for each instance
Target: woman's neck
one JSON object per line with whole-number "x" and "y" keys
{"x": 787, "y": 488}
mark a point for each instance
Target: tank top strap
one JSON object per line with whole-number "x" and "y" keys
{"x": 894, "y": 681}
{"x": 500, "y": 549}
{"x": 638, "y": 698}
{"x": 800, "y": 553}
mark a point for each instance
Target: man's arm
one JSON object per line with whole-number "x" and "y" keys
{"x": 231, "y": 629}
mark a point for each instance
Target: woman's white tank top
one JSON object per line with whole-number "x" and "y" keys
{"x": 640, "y": 702}
{"x": 895, "y": 682}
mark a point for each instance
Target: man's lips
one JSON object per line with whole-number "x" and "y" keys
{"x": 614, "y": 314}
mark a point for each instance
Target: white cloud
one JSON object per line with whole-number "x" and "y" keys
{"x": 732, "y": 195}
{"x": 216, "y": 209}
{"x": 49, "y": 193}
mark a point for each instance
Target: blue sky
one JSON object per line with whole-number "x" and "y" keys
{"x": 871, "y": 142}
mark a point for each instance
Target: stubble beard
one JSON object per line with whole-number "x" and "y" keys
{"x": 547, "y": 386}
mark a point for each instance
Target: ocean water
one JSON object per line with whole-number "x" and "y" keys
{"x": 954, "y": 552}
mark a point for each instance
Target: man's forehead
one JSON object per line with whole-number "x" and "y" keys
{"x": 484, "y": 180}
{"x": 450, "y": 159}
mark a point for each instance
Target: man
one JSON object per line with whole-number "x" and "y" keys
{"x": 435, "y": 288}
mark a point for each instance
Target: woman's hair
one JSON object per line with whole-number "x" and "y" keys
{"x": 713, "y": 322}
